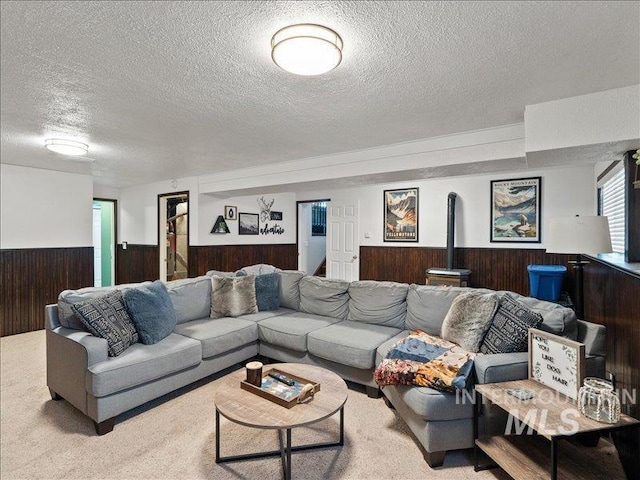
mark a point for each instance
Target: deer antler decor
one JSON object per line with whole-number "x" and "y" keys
{"x": 265, "y": 208}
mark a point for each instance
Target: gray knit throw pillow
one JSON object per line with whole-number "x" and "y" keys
{"x": 469, "y": 319}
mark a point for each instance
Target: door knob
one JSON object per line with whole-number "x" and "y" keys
{"x": 355, "y": 257}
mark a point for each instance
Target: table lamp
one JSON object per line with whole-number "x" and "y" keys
{"x": 579, "y": 235}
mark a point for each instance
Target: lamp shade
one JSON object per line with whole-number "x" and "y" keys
{"x": 579, "y": 235}
{"x": 306, "y": 49}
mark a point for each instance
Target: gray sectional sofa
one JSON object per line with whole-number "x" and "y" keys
{"x": 345, "y": 327}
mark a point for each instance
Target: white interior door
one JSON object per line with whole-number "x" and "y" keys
{"x": 343, "y": 247}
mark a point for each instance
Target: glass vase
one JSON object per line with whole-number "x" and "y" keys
{"x": 598, "y": 401}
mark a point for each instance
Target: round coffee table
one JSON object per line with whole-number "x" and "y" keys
{"x": 251, "y": 410}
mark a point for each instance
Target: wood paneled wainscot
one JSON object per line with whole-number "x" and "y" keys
{"x": 31, "y": 278}
{"x": 612, "y": 299}
{"x": 495, "y": 268}
{"x": 229, "y": 258}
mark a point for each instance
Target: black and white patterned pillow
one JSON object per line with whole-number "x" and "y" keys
{"x": 509, "y": 330}
{"x": 106, "y": 317}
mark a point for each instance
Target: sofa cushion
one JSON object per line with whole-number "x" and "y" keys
{"x": 290, "y": 288}
{"x": 143, "y": 363}
{"x": 381, "y": 303}
{"x": 290, "y": 331}
{"x": 432, "y": 405}
{"x": 556, "y": 319}
{"x": 151, "y": 311}
{"x": 268, "y": 292}
{"x": 217, "y": 273}
{"x": 191, "y": 298}
{"x": 428, "y": 305}
{"x": 468, "y": 319}
{"x": 233, "y": 296}
{"x": 258, "y": 317}
{"x": 258, "y": 269}
{"x": 67, "y": 298}
{"x": 219, "y": 335}
{"x": 509, "y": 330}
{"x": 321, "y": 296}
{"x": 106, "y": 317}
{"x": 350, "y": 343}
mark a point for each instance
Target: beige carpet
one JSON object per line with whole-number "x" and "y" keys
{"x": 173, "y": 438}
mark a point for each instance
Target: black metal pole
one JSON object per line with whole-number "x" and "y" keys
{"x": 578, "y": 268}
{"x": 451, "y": 225}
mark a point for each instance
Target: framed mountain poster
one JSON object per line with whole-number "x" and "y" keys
{"x": 515, "y": 210}
{"x": 401, "y": 215}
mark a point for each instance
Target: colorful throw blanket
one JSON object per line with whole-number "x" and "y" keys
{"x": 426, "y": 361}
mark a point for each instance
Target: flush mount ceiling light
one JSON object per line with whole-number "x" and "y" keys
{"x": 66, "y": 147}
{"x": 306, "y": 49}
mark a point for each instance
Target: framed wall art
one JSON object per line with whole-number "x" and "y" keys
{"x": 557, "y": 362}
{"x": 515, "y": 210}
{"x": 248, "y": 224}
{"x": 230, "y": 213}
{"x": 401, "y": 215}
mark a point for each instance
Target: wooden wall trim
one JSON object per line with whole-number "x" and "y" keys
{"x": 138, "y": 263}
{"x": 31, "y": 278}
{"x": 229, "y": 258}
{"x": 611, "y": 299}
{"x": 495, "y": 268}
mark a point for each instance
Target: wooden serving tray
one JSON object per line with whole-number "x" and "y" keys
{"x": 278, "y": 392}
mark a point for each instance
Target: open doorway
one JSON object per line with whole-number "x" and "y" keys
{"x": 173, "y": 235}
{"x": 312, "y": 236}
{"x": 104, "y": 242}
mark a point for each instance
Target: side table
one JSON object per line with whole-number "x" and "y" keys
{"x": 553, "y": 417}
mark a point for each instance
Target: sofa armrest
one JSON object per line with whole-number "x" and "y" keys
{"x": 501, "y": 367}
{"x": 95, "y": 348}
{"x": 594, "y": 337}
{"x": 69, "y": 355}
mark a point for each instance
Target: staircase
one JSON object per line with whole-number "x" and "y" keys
{"x": 321, "y": 271}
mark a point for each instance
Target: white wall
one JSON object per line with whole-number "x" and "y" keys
{"x": 138, "y": 221}
{"x": 44, "y": 209}
{"x": 108, "y": 193}
{"x": 565, "y": 192}
{"x": 609, "y": 116}
{"x": 210, "y": 207}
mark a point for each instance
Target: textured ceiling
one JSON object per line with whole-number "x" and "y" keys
{"x": 161, "y": 90}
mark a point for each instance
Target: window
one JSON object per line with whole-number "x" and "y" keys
{"x": 611, "y": 204}
{"x": 319, "y": 219}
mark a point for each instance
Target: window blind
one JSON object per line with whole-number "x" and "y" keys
{"x": 612, "y": 206}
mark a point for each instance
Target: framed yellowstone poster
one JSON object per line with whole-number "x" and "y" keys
{"x": 515, "y": 210}
{"x": 401, "y": 215}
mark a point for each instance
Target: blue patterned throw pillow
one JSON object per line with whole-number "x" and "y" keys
{"x": 151, "y": 310}
{"x": 268, "y": 292}
{"x": 106, "y": 317}
{"x": 509, "y": 330}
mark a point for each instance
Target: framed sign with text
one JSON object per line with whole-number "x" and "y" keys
{"x": 556, "y": 362}
{"x": 401, "y": 215}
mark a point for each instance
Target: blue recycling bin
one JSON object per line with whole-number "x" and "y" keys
{"x": 545, "y": 281}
